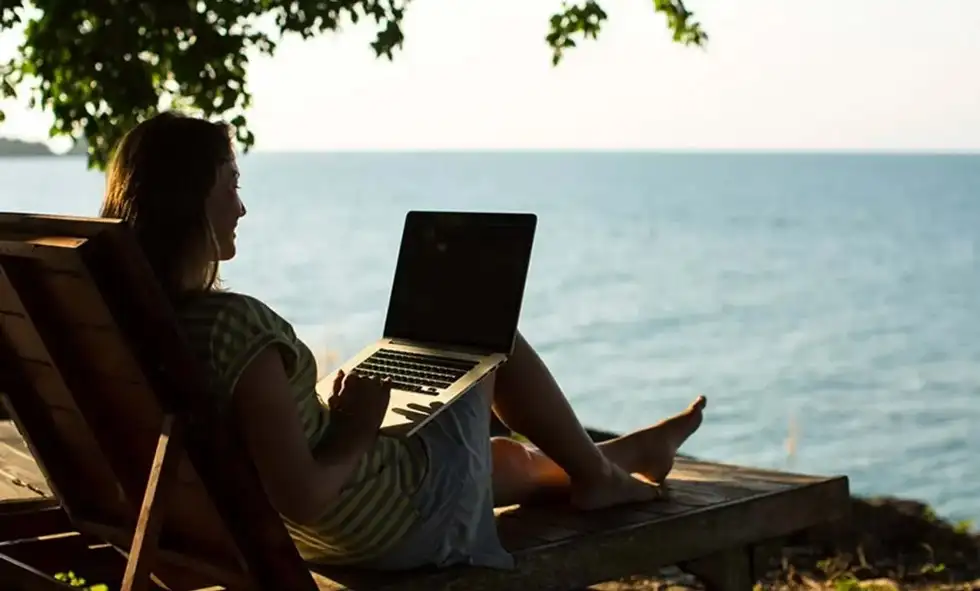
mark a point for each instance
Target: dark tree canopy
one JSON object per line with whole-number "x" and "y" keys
{"x": 101, "y": 66}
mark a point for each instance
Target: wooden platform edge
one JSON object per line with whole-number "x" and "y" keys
{"x": 608, "y": 556}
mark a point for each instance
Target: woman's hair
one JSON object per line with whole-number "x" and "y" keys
{"x": 159, "y": 178}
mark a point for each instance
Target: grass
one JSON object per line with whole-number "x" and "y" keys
{"x": 75, "y": 581}
{"x": 888, "y": 544}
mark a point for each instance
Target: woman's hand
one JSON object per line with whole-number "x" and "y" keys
{"x": 358, "y": 404}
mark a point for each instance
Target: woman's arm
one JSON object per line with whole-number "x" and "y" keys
{"x": 300, "y": 486}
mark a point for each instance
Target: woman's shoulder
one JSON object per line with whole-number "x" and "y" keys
{"x": 232, "y": 316}
{"x": 228, "y": 303}
{"x": 230, "y": 328}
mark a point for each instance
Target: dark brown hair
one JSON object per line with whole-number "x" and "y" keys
{"x": 158, "y": 180}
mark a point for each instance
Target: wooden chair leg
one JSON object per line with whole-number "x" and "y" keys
{"x": 142, "y": 553}
{"x": 728, "y": 570}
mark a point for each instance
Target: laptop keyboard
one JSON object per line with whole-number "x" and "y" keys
{"x": 415, "y": 372}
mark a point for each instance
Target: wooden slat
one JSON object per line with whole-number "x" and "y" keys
{"x": 12, "y": 437}
{"x": 689, "y": 489}
{"x": 118, "y": 419}
{"x": 37, "y": 395}
{"x": 125, "y": 413}
{"x": 518, "y": 536}
{"x": 12, "y": 506}
{"x": 142, "y": 553}
{"x": 31, "y": 518}
{"x": 50, "y": 253}
{"x": 39, "y": 225}
{"x": 13, "y": 489}
{"x": 740, "y": 476}
{"x": 86, "y": 316}
{"x": 118, "y": 273}
{"x": 558, "y": 524}
{"x": 19, "y": 474}
{"x": 113, "y": 422}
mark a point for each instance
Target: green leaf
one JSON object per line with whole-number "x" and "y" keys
{"x": 101, "y": 67}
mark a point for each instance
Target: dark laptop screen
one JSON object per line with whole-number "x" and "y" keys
{"x": 460, "y": 279}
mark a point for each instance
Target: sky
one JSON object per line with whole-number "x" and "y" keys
{"x": 777, "y": 74}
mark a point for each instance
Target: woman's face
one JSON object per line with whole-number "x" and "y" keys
{"x": 224, "y": 209}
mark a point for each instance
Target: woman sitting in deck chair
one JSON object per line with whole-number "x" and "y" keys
{"x": 347, "y": 494}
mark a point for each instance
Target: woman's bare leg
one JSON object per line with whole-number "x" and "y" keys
{"x": 528, "y": 400}
{"x": 523, "y": 473}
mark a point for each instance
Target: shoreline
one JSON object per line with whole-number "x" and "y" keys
{"x": 889, "y": 544}
{"x": 15, "y": 148}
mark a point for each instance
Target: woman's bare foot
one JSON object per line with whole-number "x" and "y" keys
{"x": 632, "y": 469}
{"x": 650, "y": 452}
{"x": 618, "y": 487}
{"x": 658, "y": 452}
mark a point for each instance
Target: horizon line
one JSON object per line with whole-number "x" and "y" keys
{"x": 616, "y": 151}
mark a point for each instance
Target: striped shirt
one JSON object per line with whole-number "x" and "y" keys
{"x": 374, "y": 510}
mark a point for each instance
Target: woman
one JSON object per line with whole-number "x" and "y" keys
{"x": 347, "y": 494}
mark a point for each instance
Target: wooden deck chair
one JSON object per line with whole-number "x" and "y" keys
{"x": 154, "y": 491}
{"x": 114, "y": 409}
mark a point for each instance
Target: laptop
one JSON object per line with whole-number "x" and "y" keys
{"x": 453, "y": 311}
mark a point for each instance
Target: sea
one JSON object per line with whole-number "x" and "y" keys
{"x": 828, "y": 305}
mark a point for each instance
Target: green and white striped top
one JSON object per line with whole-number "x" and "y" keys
{"x": 375, "y": 509}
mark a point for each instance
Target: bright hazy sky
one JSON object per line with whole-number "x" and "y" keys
{"x": 829, "y": 74}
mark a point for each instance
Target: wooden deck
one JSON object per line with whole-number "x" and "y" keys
{"x": 20, "y": 477}
{"x": 713, "y": 508}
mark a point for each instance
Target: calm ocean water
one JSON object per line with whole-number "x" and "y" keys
{"x": 828, "y": 305}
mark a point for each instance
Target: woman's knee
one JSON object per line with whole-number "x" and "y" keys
{"x": 512, "y": 456}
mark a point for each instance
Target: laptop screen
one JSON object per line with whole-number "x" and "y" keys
{"x": 460, "y": 279}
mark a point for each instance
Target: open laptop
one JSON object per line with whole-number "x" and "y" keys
{"x": 453, "y": 311}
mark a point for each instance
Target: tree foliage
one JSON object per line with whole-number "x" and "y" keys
{"x": 100, "y": 66}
